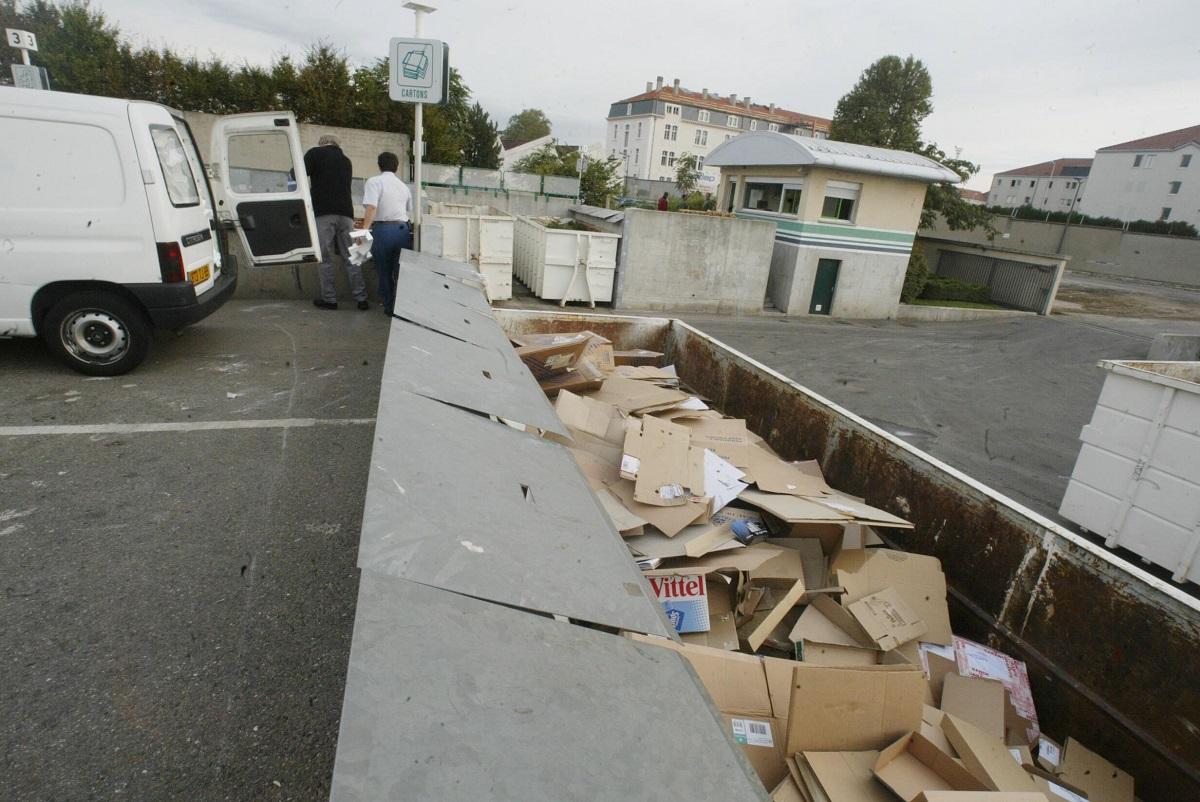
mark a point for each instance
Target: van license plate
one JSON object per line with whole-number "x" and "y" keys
{"x": 200, "y": 274}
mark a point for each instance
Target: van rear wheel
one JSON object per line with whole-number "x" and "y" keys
{"x": 97, "y": 333}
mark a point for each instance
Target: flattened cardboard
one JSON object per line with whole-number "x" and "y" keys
{"x": 847, "y": 776}
{"x": 637, "y": 356}
{"x": 748, "y": 559}
{"x": 773, "y": 475}
{"x": 662, "y": 476}
{"x": 668, "y": 520}
{"x": 722, "y": 629}
{"x": 622, "y": 519}
{"x": 1094, "y": 775}
{"x": 694, "y": 541}
{"x": 793, "y": 509}
{"x": 1049, "y": 753}
{"x": 914, "y": 765}
{"x": 852, "y": 709}
{"x": 887, "y": 620}
{"x": 976, "y": 660}
{"x": 630, "y": 395}
{"x": 917, "y": 578}
{"x": 589, "y": 415}
{"x": 817, "y": 627}
{"x": 582, "y": 377}
{"x": 726, "y": 436}
{"x": 684, "y": 598}
{"x": 755, "y": 631}
{"x": 812, "y": 556}
{"x": 549, "y": 360}
{"x": 931, "y": 728}
{"x": 986, "y": 757}
{"x": 1053, "y": 787}
{"x": 979, "y": 701}
{"x": 599, "y": 352}
{"x": 788, "y": 791}
{"x": 861, "y": 511}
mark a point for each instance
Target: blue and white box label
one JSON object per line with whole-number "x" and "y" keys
{"x": 685, "y": 600}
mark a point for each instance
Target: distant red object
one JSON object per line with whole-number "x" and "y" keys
{"x": 662, "y": 203}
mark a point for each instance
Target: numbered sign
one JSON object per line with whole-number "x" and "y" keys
{"x": 22, "y": 39}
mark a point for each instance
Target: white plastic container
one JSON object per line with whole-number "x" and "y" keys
{"x": 1137, "y": 479}
{"x": 565, "y": 265}
{"x": 478, "y": 235}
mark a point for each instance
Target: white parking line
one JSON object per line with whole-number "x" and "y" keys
{"x": 181, "y": 426}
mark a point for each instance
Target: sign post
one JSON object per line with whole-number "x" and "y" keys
{"x": 418, "y": 73}
{"x": 25, "y": 75}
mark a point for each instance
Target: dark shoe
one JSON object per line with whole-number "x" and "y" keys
{"x": 319, "y": 304}
{"x": 363, "y": 306}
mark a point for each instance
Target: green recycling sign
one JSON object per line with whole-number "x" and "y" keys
{"x": 419, "y": 70}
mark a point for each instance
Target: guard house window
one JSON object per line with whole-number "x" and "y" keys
{"x": 731, "y": 121}
{"x": 754, "y": 125}
{"x": 1166, "y": 213}
{"x": 773, "y": 127}
{"x": 703, "y": 115}
{"x": 701, "y": 137}
{"x": 840, "y": 199}
{"x": 1185, "y": 160}
{"x": 776, "y": 197}
{"x": 1174, "y": 187}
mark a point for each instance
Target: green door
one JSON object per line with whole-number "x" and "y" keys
{"x": 823, "y": 287}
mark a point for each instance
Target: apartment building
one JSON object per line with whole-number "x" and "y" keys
{"x": 1053, "y": 186}
{"x": 651, "y": 131}
{"x": 1153, "y": 178}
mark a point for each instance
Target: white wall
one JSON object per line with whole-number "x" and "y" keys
{"x": 868, "y": 284}
{"x": 1118, "y": 189}
{"x": 1045, "y": 192}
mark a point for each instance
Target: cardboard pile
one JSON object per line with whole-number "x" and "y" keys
{"x": 829, "y": 656}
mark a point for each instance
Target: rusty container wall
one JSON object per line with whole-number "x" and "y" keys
{"x": 1111, "y": 649}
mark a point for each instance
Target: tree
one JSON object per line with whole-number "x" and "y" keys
{"x": 550, "y": 160}
{"x": 687, "y": 174}
{"x": 600, "y": 181}
{"x": 885, "y": 109}
{"x": 887, "y": 105}
{"x": 481, "y": 149}
{"x": 526, "y": 125}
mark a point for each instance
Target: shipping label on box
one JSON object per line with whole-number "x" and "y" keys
{"x": 752, "y": 731}
{"x": 685, "y": 600}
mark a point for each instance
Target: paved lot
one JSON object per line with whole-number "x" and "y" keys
{"x": 177, "y": 605}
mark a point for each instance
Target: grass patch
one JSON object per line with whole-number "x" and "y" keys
{"x": 954, "y": 304}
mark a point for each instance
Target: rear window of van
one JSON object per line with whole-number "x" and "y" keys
{"x": 177, "y": 173}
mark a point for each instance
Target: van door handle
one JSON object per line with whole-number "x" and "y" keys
{"x": 247, "y": 221}
{"x": 294, "y": 220}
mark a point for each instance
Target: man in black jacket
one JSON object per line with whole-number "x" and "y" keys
{"x": 329, "y": 175}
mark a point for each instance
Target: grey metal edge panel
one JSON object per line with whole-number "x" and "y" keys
{"x": 445, "y": 267}
{"x": 457, "y": 501}
{"x": 427, "y": 363}
{"x": 416, "y": 281}
{"x": 452, "y": 698}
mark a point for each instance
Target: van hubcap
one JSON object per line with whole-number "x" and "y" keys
{"x": 95, "y": 336}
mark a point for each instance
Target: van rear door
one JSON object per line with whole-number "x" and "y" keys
{"x": 261, "y": 188}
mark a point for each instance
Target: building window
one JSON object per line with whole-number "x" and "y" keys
{"x": 1185, "y": 160}
{"x": 614, "y": 132}
{"x": 1027, "y": 199}
{"x": 628, "y": 108}
{"x": 664, "y": 159}
{"x": 1137, "y": 160}
{"x": 1010, "y": 200}
{"x": 672, "y": 109}
{"x": 1145, "y": 161}
{"x": 1174, "y": 188}
{"x": 773, "y": 127}
{"x": 1012, "y": 183}
{"x": 762, "y": 197}
{"x": 699, "y": 162}
{"x": 637, "y": 154}
{"x": 840, "y": 200}
{"x": 1050, "y": 185}
{"x": 754, "y": 125}
{"x": 639, "y": 133}
{"x": 671, "y": 132}
{"x": 626, "y": 134}
{"x": 703, "y": 115}
{"x": 671, "y": 159}
{"x": 731, "y": 121}
{"x": 791, "y": 200}
{"x": 1166, "y": 213}
{"x": 701, "y": 137}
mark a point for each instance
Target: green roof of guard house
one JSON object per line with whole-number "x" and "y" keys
{"x": 768, "y": 148}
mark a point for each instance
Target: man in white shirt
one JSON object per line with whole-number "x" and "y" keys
{"x": 387, "y": 204}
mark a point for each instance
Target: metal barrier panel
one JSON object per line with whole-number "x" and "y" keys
{"x": 476, "y": 177}
{"x": 440, "y": 174}
{"x": 561, "y": 185}
{"x": 523, "y": 182}
{"x": 1021, "y": 285}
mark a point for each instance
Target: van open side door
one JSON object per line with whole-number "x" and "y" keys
{"x": 261, "y": 189}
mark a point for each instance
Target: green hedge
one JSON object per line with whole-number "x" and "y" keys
{"x": 915, "y": 277}
{"x": 940, "y": 288}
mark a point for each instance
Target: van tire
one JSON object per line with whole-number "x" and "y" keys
{"x": 97, "y": 333}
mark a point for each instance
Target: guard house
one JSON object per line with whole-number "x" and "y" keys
{"x": 845, "y": 217}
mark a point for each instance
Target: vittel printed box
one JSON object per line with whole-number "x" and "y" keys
{"x": 685, "y": 600}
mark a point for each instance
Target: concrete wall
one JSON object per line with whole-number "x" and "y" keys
{"x": 514, "y": 203}
{"x": 1108, "y": 251}
{"x": 868, "y": 284}
{"x": 693, "y": 263}
{"x": 1118, "y": 189}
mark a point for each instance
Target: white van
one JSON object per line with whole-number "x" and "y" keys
{"x": 110, "y": 226}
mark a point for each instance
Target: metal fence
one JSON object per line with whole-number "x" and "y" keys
{"x": 1021, "y": 285}
{"x": 449, "y": 175}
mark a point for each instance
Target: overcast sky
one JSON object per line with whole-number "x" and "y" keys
{"x": 1014, "y": 82}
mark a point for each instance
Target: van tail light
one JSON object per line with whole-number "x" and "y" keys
{"x": 170, "y": 262}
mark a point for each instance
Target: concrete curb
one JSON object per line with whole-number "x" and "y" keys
{"x": 951, "y": 314}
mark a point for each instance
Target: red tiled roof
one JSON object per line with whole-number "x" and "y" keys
{"x": 717, "y": 103}
{"x": 1048, "y": 168}
{"x": 973, "y": 194}
{"x": 1168, "y": 141}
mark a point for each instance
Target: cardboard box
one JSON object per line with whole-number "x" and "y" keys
{"x": 931, "y": 728}
{"x": 662, "y": 465}
{"x": 553, "y": 358}
{"x": 1092, "y": 774}
{"x": 630, "y": 395}
{"x": 835, "y": 709}
{"x": 886, "y": 619}
{"x": 586, "y": 414}
{"x": 737, "y": 684}
{"x": 582, "y": 377}
{"x": 976, "y": 660}
{"x": 637, "y": 356}
{"x": 794, "y": 509}
{"x": 979, "y": 796}
{"x": 759, "y": 627}
{"x": 986, "y": 757}
{"x": 913, "y": 765}
{"x": 722, "y": 627}
{"x": 979, "y": 701}
{"x": 773, "y": 475}
{"x": 684, "y": 598}
{"x": 842, "y": 776}
{"x": 860, "y": 511}
{"x": 917, "y": 578}
{"x": 1049, "y": 753}
{"x": 668, "y": 520}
